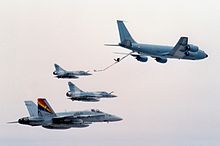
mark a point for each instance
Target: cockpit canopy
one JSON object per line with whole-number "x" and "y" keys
{"x": 96, "y": 110}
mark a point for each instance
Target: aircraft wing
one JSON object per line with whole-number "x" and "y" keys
{"x": 134, "y": 54}
{"x": 70, "y": 74}
{"x": 180, "y": 48}
{"x": 65, "y": 118}
{"x": 92, "y": 98}
{"x": 87, "y": 116}
{"x": 74, "y": 118}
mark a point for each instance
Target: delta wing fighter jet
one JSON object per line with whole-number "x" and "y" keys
{"x": 43, "y": 115}
{"x": 61, "y": 73}
{"x": 76, "y": 94}
{"x": 182, "y": 50}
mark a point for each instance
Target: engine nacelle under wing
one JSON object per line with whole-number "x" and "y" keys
{"x": 161, "y": 60}
{"x": 56, "y": 126}
{"x": 142, "y": 58}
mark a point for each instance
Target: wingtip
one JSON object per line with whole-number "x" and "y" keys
{"x": 121, "y": 21}
{"x": 70, "y": 83}
{"x": 184, "y": 37}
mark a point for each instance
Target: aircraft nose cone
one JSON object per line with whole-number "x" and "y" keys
{"x": 205, "y": 55}
{"x": 116, "y": 118}
{"x": 112, "y": 95}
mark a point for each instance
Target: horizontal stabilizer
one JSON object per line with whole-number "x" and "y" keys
{"x": 111, "y": 44}
{"x": 14, "y": 122}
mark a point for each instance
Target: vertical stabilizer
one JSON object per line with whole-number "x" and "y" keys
{"x": 73, "y": 88}
{"x": 44, "y": 109}
{"x": 125, "y": 36}
{"x": 58, "y": 68}
{"x": 32, "y": 108}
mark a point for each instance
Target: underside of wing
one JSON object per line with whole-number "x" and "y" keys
{"x": 63, "y": 118}
{"x": 132, "y": 53}
{"x": 87, "y": 99}
{"x": 161, "y": 55}
{"x": 70, "y": 74}
{"x": 72, "y": 121}
{"x": 88, "y": 116}
{"x": 179, "y": 50}
{"x": 67, "y": 119}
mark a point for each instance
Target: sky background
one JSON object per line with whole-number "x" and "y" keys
{"x": 172, "y": 104}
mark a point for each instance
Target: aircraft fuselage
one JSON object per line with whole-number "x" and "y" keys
{"x": 162, "y": 51}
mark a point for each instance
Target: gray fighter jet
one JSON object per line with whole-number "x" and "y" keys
{"x": 141, "y": 52}
{"x": 44, "y": 116}
{"x": 61, "y": 73}
{"x": 76, "y": 94}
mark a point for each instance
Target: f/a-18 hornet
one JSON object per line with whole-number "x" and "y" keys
{"x": 43, "y": 115}
{"x": 61, "y": 73}
{"x": 182, "y": 50}
{"x": 76, "y": 94}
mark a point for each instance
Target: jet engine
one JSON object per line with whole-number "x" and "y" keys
{"x": 57, "y": 126}
{"x": 142, "y": 58}
{"x": 68, "y": 94}
{"x": 33, "y": 121}
{"x": 161, "y": 60}
{"x": 54, "y": 73}
{"x": 192, "y": 48}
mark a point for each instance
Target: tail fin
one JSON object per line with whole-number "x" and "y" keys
{"x": 125, "y": 36}
{"x": 44, "y": 109}
{"x": 32, "y": 108}
{"x": 58, "y": 68}
{"x": 73, "y": 87}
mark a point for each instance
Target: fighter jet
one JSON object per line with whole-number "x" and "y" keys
{"x": 182, "y": 50}
{"x": 43, "y": 115}
{"x": 61, "y": 73}
{"x": 76, "y": 94}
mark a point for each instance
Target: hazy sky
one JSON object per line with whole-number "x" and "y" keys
{"x": 172, "y": 104}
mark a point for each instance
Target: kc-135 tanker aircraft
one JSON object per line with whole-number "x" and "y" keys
{"x": 182, "y": 50}
{"x": 43, "y": 115}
